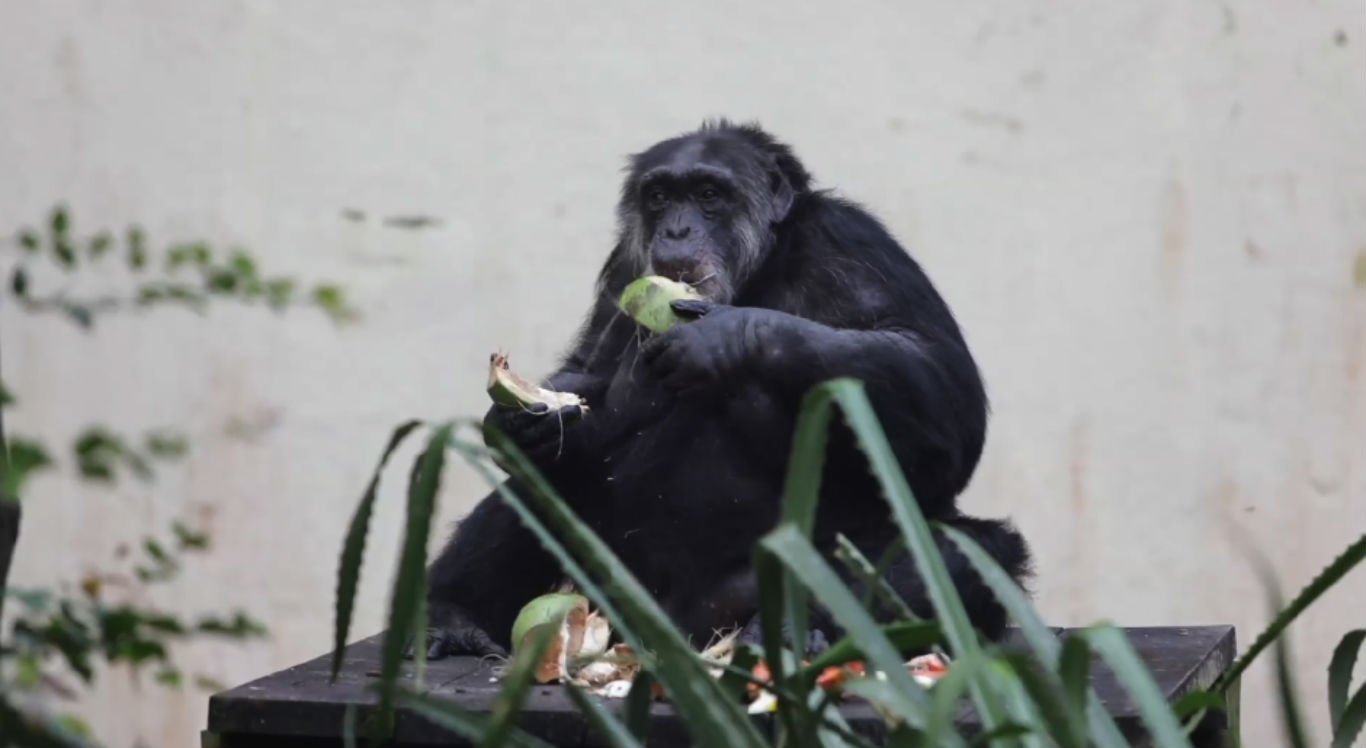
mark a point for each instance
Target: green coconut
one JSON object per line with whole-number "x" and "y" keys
{"x": 547, "y": 609}
{"x": 648, "y": 301}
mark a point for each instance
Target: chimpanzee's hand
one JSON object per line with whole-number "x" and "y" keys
{"x": 705, "y": 351}
{"x": 538, "y": 431}
{"x": 719, "y": 343}
{"x": 450, "y": 632}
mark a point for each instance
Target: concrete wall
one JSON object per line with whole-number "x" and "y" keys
{"x": 1146, "y": 215}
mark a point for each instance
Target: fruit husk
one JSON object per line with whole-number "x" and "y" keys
{"x": 648, "y": 301}
{"x": 547, "y": 609}
{"x": 512, "y": 391}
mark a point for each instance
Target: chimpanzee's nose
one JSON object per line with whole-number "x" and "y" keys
{"x": 677, "y": 232}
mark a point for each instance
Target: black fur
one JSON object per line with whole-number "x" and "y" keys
{"x": 679, "y": 464}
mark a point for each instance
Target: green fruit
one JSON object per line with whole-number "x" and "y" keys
{"x": 647, "y": 300}
{"x": 545, "y": 609}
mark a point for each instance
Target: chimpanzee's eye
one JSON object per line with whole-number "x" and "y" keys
{"x": 656, "y": 199}
{"x": 708, "y": 194}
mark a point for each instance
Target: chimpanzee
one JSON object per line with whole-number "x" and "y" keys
{"x": 679, "y": 463}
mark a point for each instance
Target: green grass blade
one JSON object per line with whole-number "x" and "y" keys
{"x": 1192, "y": 708}
{"x": 1074, "y": 668}
{"x": 410, "y": 581}
{"x": 801, "y": 496}
{"x": 1062, "y": 717}
{"x": 608, "y": 728}
{"x": 1292, "y": 717}
{"x": 876, "y": 587}
{"x": 947, "y": 694}
{"x": 353, "y": 550}
{"x": 638, "y": 701}
{"x": 1163, "y": 728}
{"x": 906, "y": 697}
{"x": 525, "y": 659}
{"x": 1348, "y": 727}
{"x": 1020, "y": 708}
{"x": 958, "y": 629}
{"x": 907, "y": 637}
{"x": 1340, "y": 673}
{"x": 455, "y": 718}
{"x": 1330, "y": 576}
{"x": 633, "y": 611}
{"x": 1041, "y": 639}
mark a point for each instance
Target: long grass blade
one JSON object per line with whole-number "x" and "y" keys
{"x": 1348, "y": 727}
{"x": 958, "y": 629}
{"x": 410, "y": 581}
{"x": 905, "y": 696}
{"x": 1340, "y": 672}
{"x": 1326, "y": 579}
{"x": 457, "y": 719}
{"x": 638, "y": 701}
{"x": 633, "y": 611}
{"x": 1292, "y": 718}
{"x": 1041, "y": 639}
{"x": 875, "y": 585}
{"x": 613, "y": 732}
{"x": 1163, "y": 727}
{"x": 516, "y": 681}
{"x": 353, "y": 550}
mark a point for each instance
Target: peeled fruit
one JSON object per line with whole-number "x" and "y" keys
{"x": 512, "y": 391}
{"x": 581, "y": 636}
{"x": 647, "y": 300}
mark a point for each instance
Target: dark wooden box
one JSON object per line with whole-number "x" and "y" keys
{"x": 299, "y": 707}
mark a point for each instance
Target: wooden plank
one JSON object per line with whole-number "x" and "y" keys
{"x": 300, "y": 704}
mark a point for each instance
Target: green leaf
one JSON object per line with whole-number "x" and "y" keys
{"x": 353, "y": 550}
{"x": 638, "y": 701}
{"x": 82, "y": 315}
{"x": 99, "y": 245}
{"x": 189, "y": 539}
{"x": 525, "y": 661}
{"x": 6, "y": 397}
{"x": 279, "y": 292}
{"x": 1348, "y": 727}
{"x": 612, "y": 732}
{"x": 455, "y": 718}
{"x": 222, "y": 281}
{"x": 633, "y": 611}
{"x": 18, "y": 282}
{"x": 905, "y": 696}
{"x": 242, "y": 264}
{"x": 1325, "y": 581}
{"x": 59, "y": 222}
{"x": 29, "y": 241}
{"x": 1340, "y": 673}
{"x": 137, "y": 249}
{"x": 166, "y": 445}
{"x": 410, "y": 582}
{"x": 1119, "y": 654}
{"x": 170, "y": 677}
{"x": 25, "y": 458}
{"x": 1044, "y": 643}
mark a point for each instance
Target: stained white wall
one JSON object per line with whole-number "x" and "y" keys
{"x": 1146, "y": 215}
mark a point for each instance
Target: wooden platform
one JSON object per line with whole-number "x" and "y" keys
{"x": 299, "y": 707}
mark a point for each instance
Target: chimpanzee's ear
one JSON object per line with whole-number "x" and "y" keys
{"x": 780, "y": 193}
